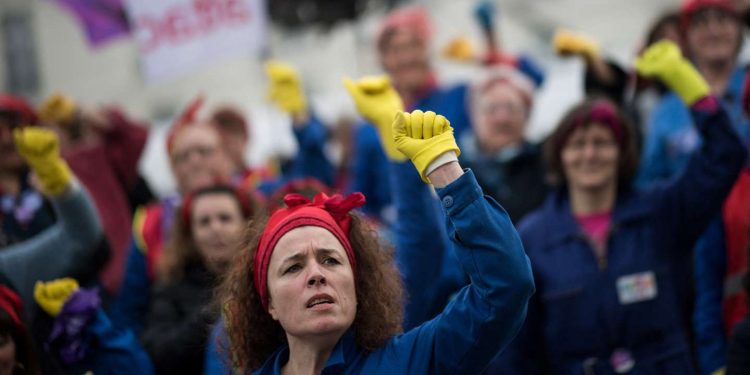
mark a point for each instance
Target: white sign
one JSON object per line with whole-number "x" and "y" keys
{"x": 175, "y": 36}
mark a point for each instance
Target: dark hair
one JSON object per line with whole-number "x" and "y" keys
{"x": 580, "y": 115}
{"x": 254, "y": 335}
{"x": 25, "y": 355}
{"x": 180, "y": 250}
{"x": 666, "y": 19}
{"x": 230, "y": 119}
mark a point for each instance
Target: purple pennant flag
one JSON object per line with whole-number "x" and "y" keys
{"x": 103, "y": 20}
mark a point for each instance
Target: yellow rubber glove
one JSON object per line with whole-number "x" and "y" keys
{"x": 285, "y": 87}
{"x": 41, "y": 150}
{"x": 51, "y": 296}
{"x": 58, "y": 108}
{"x": 663, "y": 60}
{"x": 569, "y": 43}
{"x": 720, "y": 371}
{"x": 378, "y": 102}
{"x": 423, "y": 137}
{"x": 459, "y": 49}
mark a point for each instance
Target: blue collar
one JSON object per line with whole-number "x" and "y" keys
{"x": 630, "y": 206}
{"x": 343, "y": 353}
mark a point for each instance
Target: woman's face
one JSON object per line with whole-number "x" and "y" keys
{"x": 311, "y": 284}
{"x": 7, "y": 355}
{"x": 216, "y": 224}
{"x": 501, "y": 117}
{"x": 198, "y": 159}
{"x": 590, "y": 158}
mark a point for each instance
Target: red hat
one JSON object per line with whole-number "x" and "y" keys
{"x": 15, "y": 104}
{"x": 689, "y": 7}
{"x": 414, "y": 18}
{"x": 330, "y": 213}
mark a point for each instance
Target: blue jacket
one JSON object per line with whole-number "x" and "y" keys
{"x": 113, "y": 351}
{"x": 482, "y": 318}
{"x": 584, "y": 311}
{"x": 710, "y": 267}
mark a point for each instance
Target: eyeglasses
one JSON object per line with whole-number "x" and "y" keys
{"x": 201, "y": 151}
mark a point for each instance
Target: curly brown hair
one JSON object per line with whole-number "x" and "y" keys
{"x": 254, "y": 335}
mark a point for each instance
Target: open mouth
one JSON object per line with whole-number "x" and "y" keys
{"x": 319, "y": 299}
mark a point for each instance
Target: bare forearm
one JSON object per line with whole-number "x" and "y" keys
{"x": 445, "y": 174}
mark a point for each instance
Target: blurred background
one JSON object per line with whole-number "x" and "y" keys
{"x": 98, "y": 52}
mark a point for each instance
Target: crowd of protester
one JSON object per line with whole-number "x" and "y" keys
{"x": 444, "y": 242}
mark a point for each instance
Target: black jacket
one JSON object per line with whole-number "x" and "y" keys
{"x": 738, "y": 361}
{"x": 179, "y": 321}
{"x": 516, "y": 181}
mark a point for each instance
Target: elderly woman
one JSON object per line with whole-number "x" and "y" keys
{"x": 612, "y": 265}
{"x": 326, "y": 295}
{"x": 202, "y": 246}
{"x": 508, "y": 168}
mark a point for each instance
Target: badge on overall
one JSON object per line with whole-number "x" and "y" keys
{"x": 637, "y": 287}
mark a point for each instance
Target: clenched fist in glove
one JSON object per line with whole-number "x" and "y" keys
{"x": 286, "y": 88}
{"x": 426, "y": 139}
{"x": 664, "y": 61}
{"x": 51, "y": 296}
{"x": 40, "y": 147}
{"x": 569, "y": 43}
{"x": 378, "y": 102}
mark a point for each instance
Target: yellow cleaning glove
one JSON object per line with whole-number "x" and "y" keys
{"x": 569, "y": 43}
{"x": 285, "y": 87}
{"x": 51, "y": 296}
{"x": 41, "y": 150}
{"x": 459, "y": 49}
{"x": 58, "y": 108}
{"x": 423, "y": 137}
{"x": 663, "y": 60}
{"x": 378, "y": 102}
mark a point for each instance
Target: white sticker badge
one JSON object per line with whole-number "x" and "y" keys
{"x": 637, "y": 287}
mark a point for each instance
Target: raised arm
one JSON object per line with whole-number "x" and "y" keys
{"x": 286, "y": 92}
{"x": 695, "y": 197}
{"x": 420, "y": 238}
{"x": 485, "y": 315}
{"x": 72, "y": 240}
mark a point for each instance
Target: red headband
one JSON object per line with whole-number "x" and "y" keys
{"x": 11, "y": 303}
{"x": 330, "y": 213}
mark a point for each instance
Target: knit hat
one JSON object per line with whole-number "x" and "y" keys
{"x": 414, "y": 18}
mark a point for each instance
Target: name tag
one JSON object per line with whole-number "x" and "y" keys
{"x": 637, "y": 287}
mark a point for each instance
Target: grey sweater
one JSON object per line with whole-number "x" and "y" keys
{"x": 54, "y": 252}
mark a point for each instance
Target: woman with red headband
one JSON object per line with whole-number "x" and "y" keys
{"x": 200, "y": 250}
{"x": 325, "y": 295}
{"x": 612, "y": 265}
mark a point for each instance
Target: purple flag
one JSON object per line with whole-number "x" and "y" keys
{"x": 103, "y": 20}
